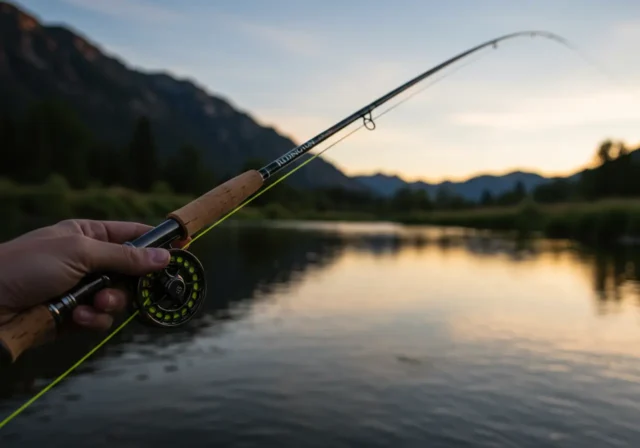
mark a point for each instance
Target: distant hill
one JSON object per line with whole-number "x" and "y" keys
{"x": 40, "y": 62}
{"x": 470, "y": 189}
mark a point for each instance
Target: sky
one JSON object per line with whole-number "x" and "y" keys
{"x": 301, "y": 66}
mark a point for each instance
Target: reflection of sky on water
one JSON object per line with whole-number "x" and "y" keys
{"x": 371, "y": 334}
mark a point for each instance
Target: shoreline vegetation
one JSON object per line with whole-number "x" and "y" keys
{"x": 605, "y": 221}
{"x": 601, "y": 222}
{"x": 56, "y": 168}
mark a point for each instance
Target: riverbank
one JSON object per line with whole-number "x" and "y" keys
{"x": 600, "y": 222}
{"x": 25, "y": 207}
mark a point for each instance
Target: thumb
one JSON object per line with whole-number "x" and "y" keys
{"x": 126, "y": 260}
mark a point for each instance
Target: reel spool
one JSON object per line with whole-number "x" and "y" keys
{"x": 171, "y": 297}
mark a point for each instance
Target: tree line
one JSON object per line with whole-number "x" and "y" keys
{"x": 50, "y": 138}
{"x": 615, "y": 174}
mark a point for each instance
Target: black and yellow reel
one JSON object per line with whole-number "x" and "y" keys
{"x": 171, "y": 297}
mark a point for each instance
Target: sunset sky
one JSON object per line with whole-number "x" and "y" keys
{"x": 301, "y": 66}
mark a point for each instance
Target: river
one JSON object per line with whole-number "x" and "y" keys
{"x": 350, "y": 335}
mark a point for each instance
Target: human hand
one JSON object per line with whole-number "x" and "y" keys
{"x": 45, "y": 263}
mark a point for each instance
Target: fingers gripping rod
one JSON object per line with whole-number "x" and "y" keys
{"x": 41, "y": 323}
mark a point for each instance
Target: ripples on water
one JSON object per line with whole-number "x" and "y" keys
{"x": 331, "y": 335}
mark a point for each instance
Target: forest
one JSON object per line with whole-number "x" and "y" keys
{"x": 54, "y": 167}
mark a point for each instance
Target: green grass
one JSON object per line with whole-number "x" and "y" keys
{"x": 26, "y": 207}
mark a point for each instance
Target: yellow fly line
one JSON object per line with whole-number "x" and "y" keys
{"x": 130, "y": 318}
{"x": 202, "y": 233}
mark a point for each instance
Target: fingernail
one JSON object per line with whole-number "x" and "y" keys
{"x": 158, "y": 256}
{"x": 84, "y": 316}
{"x": 111, "y": 303}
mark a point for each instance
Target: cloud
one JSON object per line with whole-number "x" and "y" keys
{"x": 135, "y": 10}
{"x": 296, "y": 42}
{"x": 556, "y": 112}
{"x": 626, "y": 31}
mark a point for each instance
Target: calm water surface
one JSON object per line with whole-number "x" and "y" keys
{"x": 349, "y": 335}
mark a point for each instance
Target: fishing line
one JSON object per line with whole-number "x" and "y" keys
{"x": 284, "y": 176}
{"x": 220, "y": 221}
{"x": 368, "y": 122}
{"x": 594, "y": 64}
{"x": 65, "y": 374}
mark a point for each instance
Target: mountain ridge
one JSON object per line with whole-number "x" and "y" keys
{"x": 471, "y": 189}
{"x": 39, "y": 61}
{"x": 459, "y": 179}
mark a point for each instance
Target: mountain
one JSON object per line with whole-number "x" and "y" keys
{"x": 42, "y": 62}
{"x": 470, "y": 189}
{"x": 382, "y": 184}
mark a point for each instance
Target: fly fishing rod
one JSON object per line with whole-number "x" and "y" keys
{"x": 173, "y": 296}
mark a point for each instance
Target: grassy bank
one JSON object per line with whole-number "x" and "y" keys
{"x": 28, "y": 206}
{"x": 24, "y": 207}
{"x": 600, "y": 222}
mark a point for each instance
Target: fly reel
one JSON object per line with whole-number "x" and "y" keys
{"x": 171, "y": 297}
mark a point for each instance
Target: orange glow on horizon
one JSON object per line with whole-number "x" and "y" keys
{"x": 434, "y": 180}
{"x": 541, "y": 303}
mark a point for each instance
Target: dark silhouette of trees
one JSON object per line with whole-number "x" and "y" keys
{"x": 51, "y": 140}
{"x": 186, "y": 172}
{"x": 559, "y": 190}
{"x": 9, "y": 155}
{"x": 107, "y": 165}
{"x": 604, "y": 153}
{"x": 410, "y": 200}
{"x": 616, "y": 175}
{"x": 512, "y": 197}
{"x": 487, "y": 199}
{"x": 142, "y": 158}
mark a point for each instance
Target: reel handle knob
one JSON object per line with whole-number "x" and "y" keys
{"x": 173, "y": 296}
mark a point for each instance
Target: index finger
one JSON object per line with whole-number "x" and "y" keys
{"x": 113, "y": 231}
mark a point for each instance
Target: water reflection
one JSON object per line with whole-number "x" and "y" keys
{"x": 389, "y": 329}
{"x": 248, "y": 263}
{"x": 242, "y": 267}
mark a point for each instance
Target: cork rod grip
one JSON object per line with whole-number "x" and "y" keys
{"x": 203, "y": 211}
{"x": 27, "y": 329}
{"x": 37, "y": 326}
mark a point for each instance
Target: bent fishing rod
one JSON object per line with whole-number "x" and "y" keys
{"x": 173, "y": 296}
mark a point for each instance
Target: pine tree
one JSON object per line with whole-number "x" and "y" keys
{"x": 9, "y": 156}
{"x": 186, "y": 172}
{"x": 142, "y": 159}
